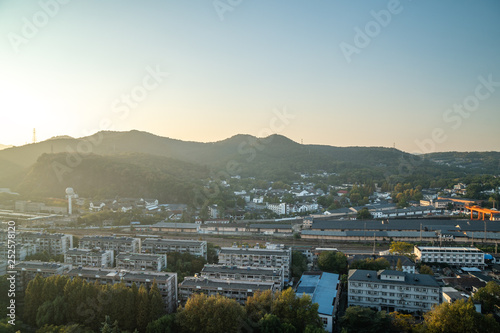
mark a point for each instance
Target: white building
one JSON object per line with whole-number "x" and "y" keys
{"x": 256, "y": 274}
{"x": 117, "y": 244}
{"x": 163, "y": 246}
{"x": 268, "y": 257}
{"x": 454, "y": 256}
{"x": 141, "y": 261}
{"x": 323, "y": 288}
{"x": 280, "y": 209}
{"x": 54, "y": 244}
{"x": 392, "y": 290}
{"x": 87, "y": 257}
{"x": 238, "y": 290}
{"x": 166, "y": 282}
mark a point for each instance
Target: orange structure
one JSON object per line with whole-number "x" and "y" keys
{"x": 481, "y": 212}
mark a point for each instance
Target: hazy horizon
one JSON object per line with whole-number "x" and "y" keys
{"x": 420, "y": 75}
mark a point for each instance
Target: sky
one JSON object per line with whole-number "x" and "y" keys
{"x": 423, "y": 76}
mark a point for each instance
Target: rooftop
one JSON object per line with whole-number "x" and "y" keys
{"x": 322, "y": 287}
{"x": 410, "y": 279}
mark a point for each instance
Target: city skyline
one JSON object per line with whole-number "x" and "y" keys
{"x": 421, "y": 75}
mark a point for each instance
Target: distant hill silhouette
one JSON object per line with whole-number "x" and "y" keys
{"x": 4, "y": 146}
{"x": 274, "y": 157}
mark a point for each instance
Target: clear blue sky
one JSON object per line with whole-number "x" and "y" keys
{"x": 228, "y": 76}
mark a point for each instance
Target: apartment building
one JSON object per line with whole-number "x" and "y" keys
{"x": 54, "y": 244}
{"x": 86, "y": 257}
{"x": 166, "y": 282}
{"x": 324, "y": 289}
{"x": 28, "y": 270}
{"x": 257, "y": 274}
{"x": 163, "y": 246}
{"x": 271, "y": 256}
{"x": 453, "y": 256}
{"x": 141, "y": 261}
{"x": 392, "y": 290}
{"x": 116, "y": 244}
{"x": 235, "y": 289}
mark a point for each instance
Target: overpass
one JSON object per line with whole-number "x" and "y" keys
{"x": 482, "y": 212}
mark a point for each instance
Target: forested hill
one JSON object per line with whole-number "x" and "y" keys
{"x": 473, "y": 162}
{"x": 127, "y": 175}
{"x": 137, "y": 154}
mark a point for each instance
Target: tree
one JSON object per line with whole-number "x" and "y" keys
{"x": 143, "y": 308}
{"x": 424, "y": 269}
{"x": 165, "y": 324}
{"x": 402, "y": 248}
{"x": 358, "y": 319}
{"x": 458, "y": 317}
{"x": 296, "y": 311}
{"x": 332, "y": 262}
{"x": 370, "y": 264}
{"x": 211, "y": 314}
{"x": 399, "y": 265}
{"x": 156, "y": 303}
{"x": 364, "y": 214}
{"x": 258, "y": 305}
{"x": 489, "y": 296}
{"x": 403, "y": 323}
{"x": 299, "y": 263}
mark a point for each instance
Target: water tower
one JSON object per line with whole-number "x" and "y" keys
{"x": 70, "y": 194}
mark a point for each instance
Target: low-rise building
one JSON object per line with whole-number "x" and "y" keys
{"x": 166, "y": 282}
{"x": 238, "y": 290}
{"x": 116, "y": 244}
{"x": 54, "y": 244}
{"x": 262, "y": 274}
{"x": 454, "y": 256}
{"x": 87, "y": 257}
{"x": 392, "y": 290}
{"x": 141, "y": 261}
{"x": 257, "y": 257}
{"x": 28, "y": 270}
{"x": 163, "y": 246}
{"x": 324, "y": 289}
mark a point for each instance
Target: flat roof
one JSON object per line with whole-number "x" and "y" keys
{"x": 322, "y": 288}
{"x": 138, "y": 256}
{"x": 440, "y": 248}
{"x": 410, "y": 279}
{"x": 242, "y": 270}
{"x": 225, "y": 284}
{"x": 173, "y": 241}
{"x": 234, "y": 250}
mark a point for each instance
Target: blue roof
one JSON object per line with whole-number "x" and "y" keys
{"x": 488, "y": 256}
{"x": 322, "y": 288}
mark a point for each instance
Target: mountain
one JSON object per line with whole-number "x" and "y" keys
{"x": 4, "y": 146}
{"x": 125, "y": 175}
{"x": 477, "y": 162}
{"x": 30, "y": 168}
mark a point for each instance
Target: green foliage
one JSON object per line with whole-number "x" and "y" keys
{"x": 364, "y": 214}
{"x": 212, "y": 257}
{"x": 299, "y": 263}
{"x": 424, "y": 269}
{"x": 458, "y": 317}
{"x": 364, "y": 320}
{"x": 58, "y": 300}
{"x": 489, "y": 296}
{"x": 211, "y": 314}
{"x": 74, "y": 328}
{"x": 403, "y": 323}
{"x": 332, "y": 262}
{"x": 402, "y": 248}
{"x": 164, "y": 324}
{"x": 370, "y": 264}
{"x": 184, "y": 264}
{"x": 45, "y": 256}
